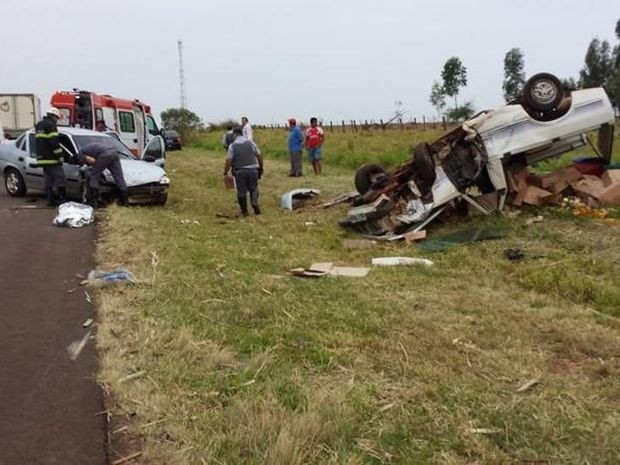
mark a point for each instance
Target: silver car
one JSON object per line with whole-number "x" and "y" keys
{"x": 146, "y": 179}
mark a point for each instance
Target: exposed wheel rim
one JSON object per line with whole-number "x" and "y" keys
{"x": 544, "y": 91}
{"x": 12, "y": 183}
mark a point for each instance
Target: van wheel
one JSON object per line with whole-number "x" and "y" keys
{"x": 366, "y": 175}
{"x": 14, "y": 183}
{"x": 543, "y": 92}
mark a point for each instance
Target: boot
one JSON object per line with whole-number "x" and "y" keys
{"x": 93, "y": 198}
{"x": 49, "y": 197}
{"x": 243, "y": 204}
{"x": 123, "y": 199}
{"x": 61, "y": 195}
{"x": 256, "y": 209}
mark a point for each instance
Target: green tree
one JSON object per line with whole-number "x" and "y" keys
{"x": 570, "y": 83}
{"x": 514, "y": 76}
{"x": 597, "y": 69}
{"x": 454, "y": 76}
{"x": 437, "y": 98}
{"x": 461, "y": 113}
{"x": 181, "y": 120}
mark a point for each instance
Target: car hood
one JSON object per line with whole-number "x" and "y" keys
{"x": 138, "y": 172}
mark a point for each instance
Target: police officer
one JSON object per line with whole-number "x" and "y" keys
{"x": 247, "y": 163}
{"x": 49, "y": 157}
{"x": 101, "y": 157}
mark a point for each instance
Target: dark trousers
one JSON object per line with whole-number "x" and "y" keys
{"x": 54, "y": 178}
{"x": 113, "y": 164}
{"x": 247, "y": 181}
{"x": 295, "y": 157}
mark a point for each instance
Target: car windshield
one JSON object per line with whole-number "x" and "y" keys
{"x": 108, "y": 141}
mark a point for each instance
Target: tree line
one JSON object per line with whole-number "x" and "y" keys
{"x": 601, "y": 69}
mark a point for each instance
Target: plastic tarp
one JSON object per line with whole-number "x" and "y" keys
{"x": 74, "y": 215}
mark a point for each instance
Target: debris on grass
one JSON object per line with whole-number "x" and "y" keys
{"x": 127, "y": 458}
{"x": 87, "y": 323}
{"x": 341, "y": 198}
{"x": 318, "y": 270}
{"x": 395, "y": 261}
{"x": 358, "y": 243}
{"x": 132, "y": 376}
{"x": 514, "y": 255}
{"x": 105, "y": 278}
{"x": 535, "y": 219}
{"x": 462, "y": 236}
{"x": 528, "y": 385}
{"x": 295, "y": 199}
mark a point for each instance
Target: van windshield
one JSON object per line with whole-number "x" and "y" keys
{"x": 108, "y": 141}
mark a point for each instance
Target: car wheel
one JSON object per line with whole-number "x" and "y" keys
{"x": 14, "y": 183}
{"x": 543, "y": 92}
{"x": 366, "y": 175}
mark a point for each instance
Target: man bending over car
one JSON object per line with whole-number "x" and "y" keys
{"x": 101, "y": 157}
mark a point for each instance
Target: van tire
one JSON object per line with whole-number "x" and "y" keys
{"x": 366, "y": 175}
{"x": 543, "y": 92}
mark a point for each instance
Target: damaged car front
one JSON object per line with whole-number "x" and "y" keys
{"x": 473, "y": 159}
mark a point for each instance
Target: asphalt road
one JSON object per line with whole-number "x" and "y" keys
{"x": 51, "y": 408}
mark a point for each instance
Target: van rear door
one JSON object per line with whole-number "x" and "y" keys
{"x": 127, "y": 131}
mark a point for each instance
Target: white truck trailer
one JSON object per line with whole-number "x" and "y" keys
{"x": 18, "y": 113}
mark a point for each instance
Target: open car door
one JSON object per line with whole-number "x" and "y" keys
{"x": 155, "y": 151}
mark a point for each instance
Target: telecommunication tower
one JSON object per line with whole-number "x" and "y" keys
{"x": 182, "y": 75}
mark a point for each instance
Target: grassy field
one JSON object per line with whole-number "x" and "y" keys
{"x": 221, "y": 357}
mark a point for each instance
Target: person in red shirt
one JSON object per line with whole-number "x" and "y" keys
{"x": 314, "y": 144}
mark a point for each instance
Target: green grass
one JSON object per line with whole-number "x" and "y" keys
{"x": 246, "y": 364}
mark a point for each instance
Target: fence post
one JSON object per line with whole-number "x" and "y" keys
{"x": 331, "y": 127}
{"x": 343, "y": 130}
{"x": 402, "y": 127}
{"x": 354, "y": 126}
{"x": 443, "y": 122}
{"x": 382, "y": 124}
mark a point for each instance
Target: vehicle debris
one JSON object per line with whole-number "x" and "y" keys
{"x": 87, "y": 323}
{"x": 297, "y": 197}
{"x": 483, "y": 163}
{"x": 395, "y": 261}
{"x": 318, "y": 270}
{"x": 462, "y": 236}
{"x": 76, "y": 347}
{"x": 74, "y": 215}
{"x": 341, "y": 198}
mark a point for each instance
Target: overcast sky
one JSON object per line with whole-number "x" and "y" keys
{"x": 272, "y": 59}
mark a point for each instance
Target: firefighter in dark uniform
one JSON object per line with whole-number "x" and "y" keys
{"x": 101, "y": 157}
{"x": 49, "y": 157}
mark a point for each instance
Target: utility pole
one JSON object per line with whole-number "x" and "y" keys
{"x": 182, "y": 75}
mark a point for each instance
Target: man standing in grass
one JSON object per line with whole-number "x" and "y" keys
{"x": 248, "y": 132}
{"x": 247, "y": 163}
{"x": 295, "y": 146}
{"x": 314, "y": 144}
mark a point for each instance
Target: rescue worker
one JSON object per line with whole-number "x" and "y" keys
{"x": 101, "y": 157}
{"x": 49, "y": 157}
{"x": 247, "y": 163}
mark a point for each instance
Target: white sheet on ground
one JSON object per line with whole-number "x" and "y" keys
{"x": 74, "y": 215}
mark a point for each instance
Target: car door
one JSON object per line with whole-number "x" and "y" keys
{"x": 34, "y": 174}
{"x": 127, "y": 126}
{"x": 71, "y": 166}
{"x": 155, "y": 151}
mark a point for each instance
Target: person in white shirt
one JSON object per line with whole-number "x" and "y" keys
{"x": 248, "y": 133}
